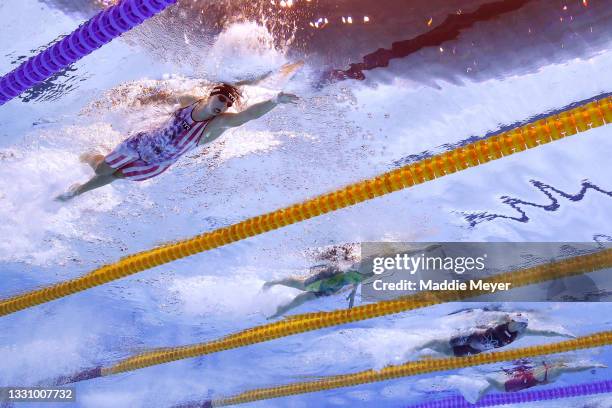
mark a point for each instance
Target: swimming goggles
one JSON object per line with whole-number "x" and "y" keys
{"x": 225, "y": 100}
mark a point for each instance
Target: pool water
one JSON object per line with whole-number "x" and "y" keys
{"x": 408, "y": 94}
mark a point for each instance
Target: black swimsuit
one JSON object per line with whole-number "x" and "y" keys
{"x": 495, "y": 337}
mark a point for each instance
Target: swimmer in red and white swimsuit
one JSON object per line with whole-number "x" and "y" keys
{"x": 528, "y": 375}
{"x": 148, "y": 154}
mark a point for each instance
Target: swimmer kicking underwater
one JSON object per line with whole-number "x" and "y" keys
{"x": 197, "y": 122}
{"x": 531, "y": 375}
{"x": 328, "y": 280}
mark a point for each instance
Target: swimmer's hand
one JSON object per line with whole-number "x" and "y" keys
{"x": 291, "y": 66}
{"x": 286, "y": 98}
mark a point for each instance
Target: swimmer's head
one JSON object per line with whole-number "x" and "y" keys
{"x": 517, "y": 324}
{"x": 222, "y": 97}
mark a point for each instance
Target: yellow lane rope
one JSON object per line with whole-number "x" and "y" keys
{"x": 546, "y": 130}
{"x": 314, "y": 321}
{"x": 415, "y": 368}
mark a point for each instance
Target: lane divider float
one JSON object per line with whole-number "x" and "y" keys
{"x": 315, "y": 321}
{"x": 413, "y": 368}
{"x": 88, "y": 37}
{"x": 546, "y": 130}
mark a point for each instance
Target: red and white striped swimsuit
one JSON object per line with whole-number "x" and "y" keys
{"x": 148, "y": 154}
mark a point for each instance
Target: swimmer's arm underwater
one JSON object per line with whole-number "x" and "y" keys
{"x": 186, "y": 100}
{"x": 285, "y": 69}
{"x": 167, "y": 98}
{"x": 351, "y": 296}
{"x": 253, "y": 81}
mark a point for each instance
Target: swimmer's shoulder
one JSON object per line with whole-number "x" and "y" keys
{"x": 210, "y": 134}
{"x": 214, "y": 128}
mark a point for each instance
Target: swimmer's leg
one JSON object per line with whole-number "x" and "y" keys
{"x": 497, "y": 381}
{"x": 351, "y": 296}
{"x": 105, "y": 174}
{"x": 289, "y": 282}
{"x": 96, "y": 181}
{"x": 476, "y": 394}
{"x": 297, "y": 301}
{"x": 437, "y": 345}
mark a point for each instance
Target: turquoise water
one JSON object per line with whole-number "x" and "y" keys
{"x": 493, "y": 74}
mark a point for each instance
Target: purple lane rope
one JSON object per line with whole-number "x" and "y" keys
{"x": 89, "y": 36}
{"x": 522, "y": 397}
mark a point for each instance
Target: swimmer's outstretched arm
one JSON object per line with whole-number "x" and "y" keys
{"x": 229, "y": 120}
{"x": 578, "y": 368}
{"x": 547, "y": 333}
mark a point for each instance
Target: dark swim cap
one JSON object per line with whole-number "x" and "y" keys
{"x": 227, "y": 90}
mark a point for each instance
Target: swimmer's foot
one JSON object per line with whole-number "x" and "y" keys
{"x": 275, "y": 316}
{"x": 68, "y": 195}
{"x": 92, "y": 158}
{"x": 266, "y": 286}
